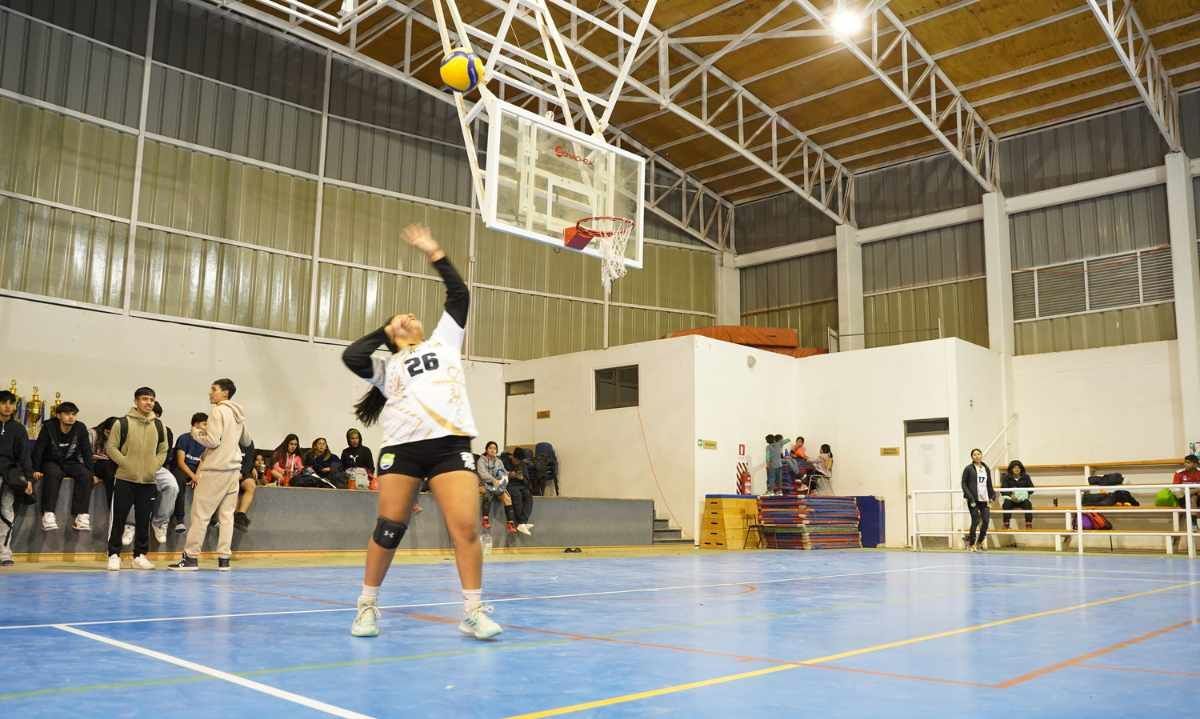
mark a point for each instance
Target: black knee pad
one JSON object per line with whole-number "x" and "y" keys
{"x": 388, "y": 533}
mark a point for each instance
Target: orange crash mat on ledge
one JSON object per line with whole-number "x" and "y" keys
{"x": 761, "y": 337}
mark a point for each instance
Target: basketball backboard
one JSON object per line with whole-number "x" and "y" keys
{"x": 543, "y": 177}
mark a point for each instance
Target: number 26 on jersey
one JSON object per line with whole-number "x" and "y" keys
{"x": 418, "y": 365}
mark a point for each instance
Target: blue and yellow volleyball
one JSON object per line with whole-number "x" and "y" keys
{"x": 462, "y": 71}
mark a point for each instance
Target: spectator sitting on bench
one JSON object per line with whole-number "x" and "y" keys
{"x": 63, "y": 451}
{"x": 1016, "y": 476}
{"x": 1190, "y": 474}
{"x": 324, "y": 465}
{"x": 246, "y": 486}
{"x": 286, "y": 462}
{"x": 187, "y": 458}
{"x": 357, "y": 457}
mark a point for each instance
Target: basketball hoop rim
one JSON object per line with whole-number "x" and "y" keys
{"x": 582, "y": 228}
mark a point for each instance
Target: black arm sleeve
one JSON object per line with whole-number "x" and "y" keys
{"x": 357, "y": 357}
{"x": 458, "y": 298}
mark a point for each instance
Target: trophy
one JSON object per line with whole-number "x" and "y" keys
{"x": 54, "y": 407}
{"x": 35, "y": 413}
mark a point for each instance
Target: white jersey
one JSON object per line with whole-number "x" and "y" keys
{"x": 426, "y": 389}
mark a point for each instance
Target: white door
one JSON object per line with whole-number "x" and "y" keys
{"x": 519, "y": 420}
{"x": 927, "y": 466}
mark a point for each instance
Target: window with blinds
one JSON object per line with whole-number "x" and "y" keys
{"x": 1101, "y": 283}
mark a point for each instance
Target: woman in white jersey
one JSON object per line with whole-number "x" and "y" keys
{"x": 420, "y": 396}
{"x": 977, "y": 490}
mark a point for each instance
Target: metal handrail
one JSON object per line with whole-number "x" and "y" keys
{"x": 1078, "y": 509}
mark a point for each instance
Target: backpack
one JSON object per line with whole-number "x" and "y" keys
{"x": 1107, "y": 480}
{"x": 1166, "y": 498}
{"x": 124, "y": 433}
{"x": 1095, "y": 520}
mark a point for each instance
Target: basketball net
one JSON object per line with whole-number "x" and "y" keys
{"x": 612, "y": 235}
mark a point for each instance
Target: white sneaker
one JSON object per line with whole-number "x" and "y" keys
{"x": 366, "y": 621}
{"x": 524, "y": 529}
{"x": 180, "y": 528}
{"x": 160, "y": 532}
{"x": 140, "y": 562}
{"x": 83, "y": 523}
{"x": 114, "y": 562}
{"x": 478, "y": 624}
{"x": 127, "y": 536}
{"x": 49, "y": 521}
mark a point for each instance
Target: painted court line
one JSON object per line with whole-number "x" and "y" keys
{"x": 218, "y": 674}
{"x": 677, "y": 688}
{"x": 426, "y": 605}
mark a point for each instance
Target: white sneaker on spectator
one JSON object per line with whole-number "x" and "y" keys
{"x": 180, "y": 528}
{"x": 83, "y": 523}
{"x": 114, "y": 562}
{"x": 140, "y": 562}
{"x": 49, "y": 521}
{"x": 478, "y": 624}
{"x": 524, "y": 529}
{"x": 127, "y": 536}
{"x": 160, "y": 532}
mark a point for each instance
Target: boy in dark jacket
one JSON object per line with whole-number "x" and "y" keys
{"x": 64, "y": 449}
{"x": 16, "y": 472}
{"x": 978, "y": 491}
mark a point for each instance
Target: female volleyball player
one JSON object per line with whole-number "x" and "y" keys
{"x": 420, "y": 395}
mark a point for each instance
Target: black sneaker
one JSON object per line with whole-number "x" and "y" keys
{"x": 6, "y": 562}
{"x": 241, "y": 521}
{"x": 223, "y": 564}
{"x": 185, "y": 564}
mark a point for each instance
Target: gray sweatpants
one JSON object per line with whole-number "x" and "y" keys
{"x": 7, "y": 515}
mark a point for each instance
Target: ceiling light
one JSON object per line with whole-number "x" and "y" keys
{"x": 846, "y": 22}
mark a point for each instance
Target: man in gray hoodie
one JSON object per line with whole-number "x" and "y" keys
{"x": 224, "y": 436}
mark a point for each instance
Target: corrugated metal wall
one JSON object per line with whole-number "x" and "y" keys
{"x": 1117, "y": 224}
{"x": 780, "y": 220}
{"x": 1189, "y": 122}
{"x": 924, "y": 285}
{"x": 48, "y": 64}
{"x": 58, "y": 158}
{"x": 230, "y": 241}
{"x": 800, "y": 293}
{"x": 914, "y": 189}
{"x": 203, "y": 112}
{"x": 72, "y": 256}
{"x": 1091, "y": 228}
{"x": 1076, "y": 152}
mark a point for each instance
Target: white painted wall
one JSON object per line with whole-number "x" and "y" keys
{"x": 979, "y": 415}
{"x": 738, "y": 403}
{"x": 637, "y": 453}
{"x": 858, "y": 402}
{"x": 96, "y": 360}
{"x": 1115, "y": 403}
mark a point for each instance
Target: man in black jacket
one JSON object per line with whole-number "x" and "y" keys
{"x": 978, "y": 491}
{"x": 16, "y": 472}
{"x": 63, "y": 449}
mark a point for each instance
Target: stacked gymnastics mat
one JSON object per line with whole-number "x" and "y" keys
{"x": 790, "y": 522}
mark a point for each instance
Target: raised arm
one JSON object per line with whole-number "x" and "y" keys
{"x": 458, "y": 298}
{"x": 357, "y": 357}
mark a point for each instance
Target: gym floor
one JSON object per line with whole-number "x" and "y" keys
{"x": 831, "y": 634}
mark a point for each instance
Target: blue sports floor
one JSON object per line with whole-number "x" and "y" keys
{"x": 827, "y": 634}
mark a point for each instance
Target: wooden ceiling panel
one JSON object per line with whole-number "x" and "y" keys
{"x": 842, "y": 106}
{"x": 837, "y": 136}
{"x": 897, "y": 156}
{"x": 1157, "y": 12}
{"x": 1074, "y": 34}
{"x": 984, "y": 19}
{"x": 1072, "y": 109}
{"x": 1108, "y": 79}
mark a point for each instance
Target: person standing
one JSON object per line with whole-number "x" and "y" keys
{"x": 420, "y": 394}
{"x": 16, "y": 472}
{"x": 138, "y": 445}
{"x": 978, "y": 491}
{"x": 187, "y": 458}
{"x": 774, "y": 463}
{"x": 218, "y": 476}
{"x": 64, "y": 449}
{"x": 1018, "y": 479}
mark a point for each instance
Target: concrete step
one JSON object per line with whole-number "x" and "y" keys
{"x": 680, "y": 540}
{"x": 660, "y": 523}
{"x": 661, "y": 535}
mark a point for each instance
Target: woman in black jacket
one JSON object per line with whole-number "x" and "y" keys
{"x": 978, "y": 491}
{"x": 1017, "y": 477}
{"x": 355, "y": 454}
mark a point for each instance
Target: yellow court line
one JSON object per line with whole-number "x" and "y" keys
{"x": 677, "y": 688}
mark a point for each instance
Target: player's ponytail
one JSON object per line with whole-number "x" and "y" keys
{"x": 370, "y": 406}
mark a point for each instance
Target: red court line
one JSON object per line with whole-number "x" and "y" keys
{"x": 441, "y": 619}
{"x": 1118, "y": 668}
{"x": 1075, "y": 661}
